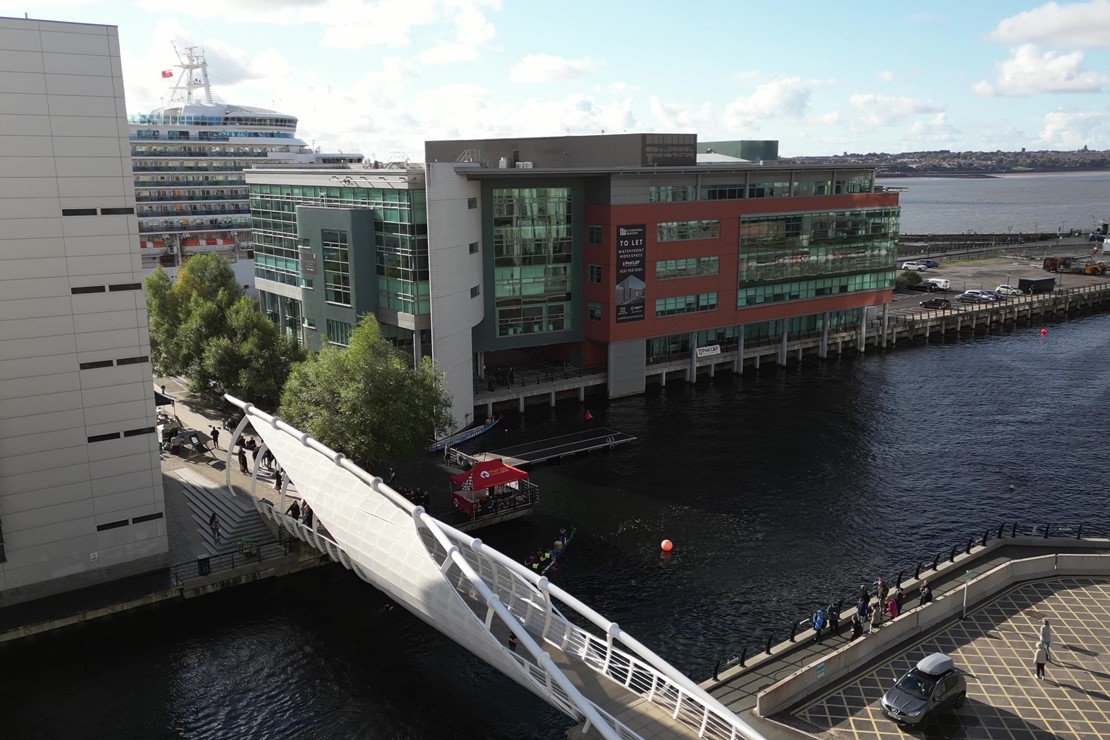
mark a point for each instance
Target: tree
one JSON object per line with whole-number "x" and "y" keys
{"x": 367, "y": 401}
{"x": 203, "y": 326}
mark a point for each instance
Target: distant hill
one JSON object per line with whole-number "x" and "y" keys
{"x": 967, "y": 164}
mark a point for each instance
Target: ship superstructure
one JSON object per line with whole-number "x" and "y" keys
{"x": 188, "y": 157}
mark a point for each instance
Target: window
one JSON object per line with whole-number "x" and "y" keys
{"x": 672, "y": 193}
{"x": 685, "y": 304}
{"x": 116, "y": 211}
{"x": 471, "y": 203}
{"x": 337, "y": 267}
{"x": 595, "y": 273}
{"x": 103, "y": 437}
{"x": 680, "y": 231}
{"x": 339, "y": 332}
{"x": 475, "y": 291}
{"x": 94, "y": 365}
{"x": 87, "y": 289}
{"x": 138, "y": 432}
{"x": 594, "y": 233}
{"x": 146, "y": 518}
{"x": 670, "y": 269}
{"x": 133, "y": 360}
{"x": 309, "y": 323}
{"x": 474, "y": 247}
{"x": 78, "y": 211}
{"x": 595, "y": 311}
{"x": 111, "y": 525}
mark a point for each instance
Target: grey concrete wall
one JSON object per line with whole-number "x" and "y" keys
{"x": 627, "y": 361}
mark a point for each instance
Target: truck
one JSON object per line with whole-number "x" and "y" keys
{"x": 1036, "y": 284}
{"x": 1074, "y": 265}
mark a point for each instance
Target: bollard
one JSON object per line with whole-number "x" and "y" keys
{"x": 898, "y": 583}
{"x": 716, "y": 670}
{"x": 1013, "y": 532}
{"x": 1001, "y": 527}
{"x": 969, "y": 544}
{"x": 1079, "y": 534}
{"x": 952, "y": 555}
{"x": 1046, "y": 530}
{"x": 917, "y": 571}
{"x": 986, "y": 536}
{"x": 769, "y": 638}
{"x": 793, "y": 629}
{"x": 743, "y": 655}
{"x": 936, "y": 562}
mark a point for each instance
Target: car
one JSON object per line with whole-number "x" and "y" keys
{"x": 925, "y": 287}
{"x": 931, "y": 264}
{"x": 1007, "y": 290}
{"x": 987, "y": 293}
{"x": 914, "y": 265}
{"x": 974, "y": 297}
{"x": 931, "y": 686}
{"x": 942, "y": 303}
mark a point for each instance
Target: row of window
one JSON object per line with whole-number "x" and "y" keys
{"x": 728, "y": 336}
{"x": 339, "y": 332}
{"x": 783, "y": 188}
{"x": 799, "y": 290}
{"x": 337, "y": 267}
{"x": 676, "y": 305}
{"x": 680, "y": 231}
{"x": 694, "y": 266}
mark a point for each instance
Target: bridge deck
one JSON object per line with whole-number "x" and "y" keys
{"x": 565, "y": 445}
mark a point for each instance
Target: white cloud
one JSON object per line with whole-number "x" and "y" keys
{"x": 549, "y": 68}
{"x": 748, "y": 75}
{"x": 683, "y": 117}
{"x": 886, "y": 76}
{"x": 786, "y": 98}
{"x": 888, "y": 110}
{"x": 1070, "y": 26}
{"x": 1029, "y": 71}
{"x": 1074, "y": 129}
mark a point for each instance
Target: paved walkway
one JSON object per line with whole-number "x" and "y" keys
{"x": 995, "y": 648}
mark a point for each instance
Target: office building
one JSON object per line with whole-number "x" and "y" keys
{"x": 80, "y": 480}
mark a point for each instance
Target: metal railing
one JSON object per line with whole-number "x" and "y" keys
{"x": 915, "y": 570}
{"x": 246, "y": 553}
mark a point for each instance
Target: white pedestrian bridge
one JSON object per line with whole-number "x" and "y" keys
{"x": 597, "y": 674}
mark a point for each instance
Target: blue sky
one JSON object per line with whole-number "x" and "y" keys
{"x": 382, "y": 76}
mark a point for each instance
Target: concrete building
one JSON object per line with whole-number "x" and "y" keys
{"x": 80, "y": 483}
{"x": 606, "y": 252}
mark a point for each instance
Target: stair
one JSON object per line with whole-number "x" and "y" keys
{"x": 238, "y": 517}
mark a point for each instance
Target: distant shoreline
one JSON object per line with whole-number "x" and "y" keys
{"x": 986, "y": 175}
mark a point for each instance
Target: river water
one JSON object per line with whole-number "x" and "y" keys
{"x": 781, "y": 490}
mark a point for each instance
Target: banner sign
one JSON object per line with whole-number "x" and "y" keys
{"x": 631, "y": 254}
{"x": 713, "y": 349}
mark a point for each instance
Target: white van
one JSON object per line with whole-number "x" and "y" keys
{"x": 941, "y": 283}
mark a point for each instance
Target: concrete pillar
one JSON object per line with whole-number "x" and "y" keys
{"x": 886, "y": 321}
{"x": 489, "y": 409}
{"x": 823, "y": 348}
{"x": 481, "y": 364}
{"x": 520, "y": 403}
{"x": 862, "y": 334}
{"x": 738, "y": 362}
{"x": 417, "y": 350}
{"x": 692, "y": 370}
{"x": 757, "y": 359}
{"x": 713, "y": 369}
{"x": 581, "y": 393}
{"x": 782, "y": 344}
{"x": 840, "y": 346}
{"x": 799, "y": 353}
{"x": 552, "y": 399}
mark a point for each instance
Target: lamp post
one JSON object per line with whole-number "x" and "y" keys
{"x": 967, "y": 579}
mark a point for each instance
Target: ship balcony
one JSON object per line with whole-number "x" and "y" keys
{"x": 194, "y": 154}
{"x": 193, "y": 212}
{"x": 179, "y": 198}
{"x": 207, "y": 244}
{"x": 164, "y": 183}
{"x": 154, "y": 228}
{"x": 154, "y": 248}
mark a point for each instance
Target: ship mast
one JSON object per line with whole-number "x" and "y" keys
{"x": 192, "y": 86}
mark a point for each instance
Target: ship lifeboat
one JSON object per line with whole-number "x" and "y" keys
{"x": 153, "y": 248}
{"x": 198, "y": 246}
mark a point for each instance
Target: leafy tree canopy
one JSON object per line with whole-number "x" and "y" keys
{"x": 203, "y": 326}
{"x": 367, "y": 401}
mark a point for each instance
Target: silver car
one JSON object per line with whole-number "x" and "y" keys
{"x": 932, "y": 685}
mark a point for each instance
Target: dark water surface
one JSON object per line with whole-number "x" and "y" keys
{"x": 780, "y": 490}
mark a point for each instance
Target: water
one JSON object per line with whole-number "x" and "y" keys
{"x": 1018, "y": 204}
{"x": 781, "y": 490}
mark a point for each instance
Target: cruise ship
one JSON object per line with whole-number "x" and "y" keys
{"x": 188, "y": 159}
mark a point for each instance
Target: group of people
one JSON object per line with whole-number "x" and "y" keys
{"x": 870, "y": 609}
{"x": 417, "y": 496}
{"x": 301, "y": 511}
{"x": 541, "y": 559}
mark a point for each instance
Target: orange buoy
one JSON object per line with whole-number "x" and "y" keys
{"x": 1044, "y": 332}
{"x": 667, "y": 545}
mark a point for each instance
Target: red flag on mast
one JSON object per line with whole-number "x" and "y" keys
{"x": 167, "y": 73}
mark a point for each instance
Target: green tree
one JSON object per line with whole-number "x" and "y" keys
{"x": 367, "y": 401}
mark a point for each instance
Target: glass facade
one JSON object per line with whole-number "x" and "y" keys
{"x": 337, "y": 267}
{"x": 400, "y": 236}
{"x": 339, "y": 332}
{"x": 671, "y": 269}
{"x": 672, "y": 193}
{"x": 676, "y": 305}
{"x": 532, "y": 246}
{"x": 681, "y": 231}
{"x": 840, "y": 251}
{"x": 674, "y": 346}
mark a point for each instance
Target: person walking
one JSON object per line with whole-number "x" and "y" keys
{"x": 243, "y": 460}
{"x": 900, "y": 598}
{"x": 926, "y": 593}
{"x": 876, "y": 616}
{"x": 277, "y": 478}
{"x": 1046, "y": 639}
{"x": 1040, "y": 656}
{"x": 214, "y": 525}
{"x": 818, "y": 624}
{"x": 306, "y": 515}
{"x": 216, "y": 438}
{"x": 834, "y": 618}
{"x": 892, "y": 607}
{"x": 881, "y": 591}
{"x": 294, "y": 510}
{"x": 512, "y": 641}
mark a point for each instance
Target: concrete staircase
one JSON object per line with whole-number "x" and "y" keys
{"x": 238, "y": 517}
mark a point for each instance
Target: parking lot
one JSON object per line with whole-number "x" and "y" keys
{"x": 986, "y": 274}
{"x": 994, "y": 647}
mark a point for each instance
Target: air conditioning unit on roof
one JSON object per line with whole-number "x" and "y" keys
{"x": 524, "y": 165}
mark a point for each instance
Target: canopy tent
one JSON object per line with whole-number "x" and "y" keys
{"x": 487, "y": 474}
{"x": 161, "y": 399}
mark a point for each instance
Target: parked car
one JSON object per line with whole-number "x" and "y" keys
{"x": 929, "y": 263}
{"x": 925, "y": 287}
{"x": 974, "y": 297}
{"x": 1007, "y": 290}
{"x": 931, "y": 686}
{"x": 988, "y": 293}
{"x": 914, "y": 265}
{"x": 941, "y": 283}
{"x": 936, "y": 303}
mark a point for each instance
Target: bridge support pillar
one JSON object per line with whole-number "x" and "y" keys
{"x": 581, "y": 393}
{"x": 823, "y": 348}
{"x": 552, "y": 399}
{"x": 782, "y": 345}
{"x": 713, "y": 370}
{"x": 886, "y": 322}
{"x": 862, "y": 333}
{"x": 738, "y": 362}
{"x": 692, "y": 369}
{"x": 799, "y": 353}
{"x": 520, "y": 403}
{"x": 489, "y": 409}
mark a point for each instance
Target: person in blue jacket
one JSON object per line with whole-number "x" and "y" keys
{"x": 819, "y": 618}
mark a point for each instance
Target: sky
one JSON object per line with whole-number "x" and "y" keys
{"x": 382, "y": 76}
